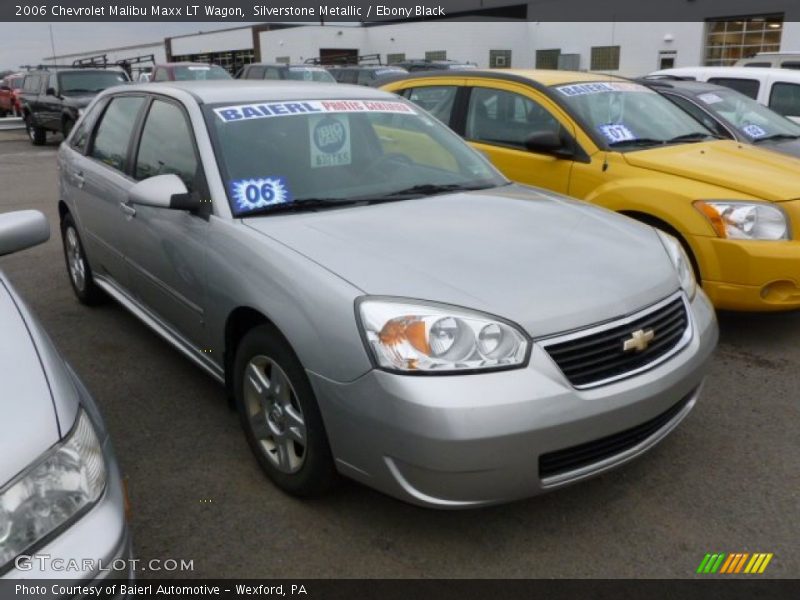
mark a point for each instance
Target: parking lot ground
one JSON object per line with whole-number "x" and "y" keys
{"x": 727, "y": 480}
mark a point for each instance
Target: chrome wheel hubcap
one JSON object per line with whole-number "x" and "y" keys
{"x": 77, "y": 268}
{"x": 274, "y": 414}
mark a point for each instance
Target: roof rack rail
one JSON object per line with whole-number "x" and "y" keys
{"x": 346, "y": 60}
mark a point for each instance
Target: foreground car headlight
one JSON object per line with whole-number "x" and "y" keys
{"x": 681, "y": 262}
{"x": 67, "y": 479}
{"x": 414, "y": 338}
{"x": 745, "y": 220}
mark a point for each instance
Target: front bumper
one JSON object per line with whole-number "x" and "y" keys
{"x": 470, "y": 440}
{"x": 748, "y": 275}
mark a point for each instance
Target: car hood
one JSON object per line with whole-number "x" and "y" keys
{"x": 732, "y": 165}
{"x": 546, "y": 262}
{"x": 28, "y": 426}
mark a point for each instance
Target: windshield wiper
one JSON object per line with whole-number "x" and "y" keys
{"x": 304, "y": 205}
{"x": 695, "y": 136}
{"x": 429, "y": 189}
{"x": 637, "y": 142}
{"x": 776, "y": 136}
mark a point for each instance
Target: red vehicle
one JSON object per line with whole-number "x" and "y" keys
{"x": 10, "y": 88}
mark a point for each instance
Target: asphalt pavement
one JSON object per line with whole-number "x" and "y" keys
{"x": 727, "y": 480}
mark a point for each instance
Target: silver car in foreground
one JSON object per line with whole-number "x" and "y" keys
{"x": 378, "y": 300}
{"x": 62, "y": 503}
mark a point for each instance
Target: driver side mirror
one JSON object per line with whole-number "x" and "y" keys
{"x": 547, "y": 142}
{"x": 163, "y": 191}
{"x": 22, "y": 229}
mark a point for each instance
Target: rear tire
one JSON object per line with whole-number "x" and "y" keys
{"x": 280, "y": 415}
{"x": 37, "y": 135}
{"x": 78, "y": 269}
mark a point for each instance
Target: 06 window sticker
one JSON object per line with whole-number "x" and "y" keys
{"x": 266, "y": 110}
{"x": 257, "y": 192}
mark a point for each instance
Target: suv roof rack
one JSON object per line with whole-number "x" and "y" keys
{"x": 342, "y": 60}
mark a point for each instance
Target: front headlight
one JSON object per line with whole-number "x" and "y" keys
{"x": 745, "y": 220}
{"x": 425, "y": 338}
{"x": 67, "y": 479}
{"x": 681, "y": 262}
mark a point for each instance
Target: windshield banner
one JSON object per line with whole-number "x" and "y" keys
{"x": 243, "y": 112}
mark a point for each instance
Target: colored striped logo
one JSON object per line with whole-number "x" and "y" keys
{"x": 735, "y": 562}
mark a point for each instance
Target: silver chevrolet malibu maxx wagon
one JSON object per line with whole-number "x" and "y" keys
{"x": 379, "y": 301}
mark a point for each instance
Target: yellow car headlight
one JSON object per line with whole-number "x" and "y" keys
{"x": 738, "y": 220}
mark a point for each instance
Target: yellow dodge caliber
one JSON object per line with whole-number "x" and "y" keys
{"x": 612, "y": 142}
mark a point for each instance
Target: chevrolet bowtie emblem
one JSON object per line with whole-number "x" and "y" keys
{"x": 639, "y": 340}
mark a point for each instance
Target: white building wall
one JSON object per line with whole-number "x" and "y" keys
{"x": 300, "y": 43}
{"x": 640, "y": 43}
{"x": 790, "y": 39}
{"x": 213, "y": 41}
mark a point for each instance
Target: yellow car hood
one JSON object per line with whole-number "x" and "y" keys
{"x": 741, "y": 167}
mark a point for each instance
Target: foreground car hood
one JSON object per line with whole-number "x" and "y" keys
{"x": 28, "y": 424}
{"x": 732, "y": 165}
{"x": 547, "y": 263}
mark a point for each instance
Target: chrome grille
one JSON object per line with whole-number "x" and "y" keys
{"x": 599, "y": 356}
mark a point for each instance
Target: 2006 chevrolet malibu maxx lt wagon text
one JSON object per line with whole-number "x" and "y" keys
{"x": 379, "y": 301}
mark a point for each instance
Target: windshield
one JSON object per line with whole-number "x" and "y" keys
{"x": 200, "y": 72}
{"x": 329, "y": 152}
{"x": 629, "y": 116}
{"x": 90, "y": 81}
{"x": 310, "y": 74}
{"x": 751, "y": 118}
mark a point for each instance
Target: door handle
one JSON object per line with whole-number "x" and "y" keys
{"x": 79, "y": 178}
{"x": 127, "y": 209}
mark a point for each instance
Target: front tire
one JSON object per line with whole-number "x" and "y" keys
{"x": 37, "y": 135}
{"x": 78, "y": 269}
{"x": 280, "y": 415}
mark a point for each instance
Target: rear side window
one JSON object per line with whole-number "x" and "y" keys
{"x": 790, "y": 64}
{"x": 80, "y": 138}
{"x": 113, "y": 135}
{"x": 436, "y": 99}
{"x": 758, "y": 64}
{"x": 748, "y": 87}
{"x": 161, "y": 75}
{"x": 785, "y": 99}
{"x": 167, "y": 145}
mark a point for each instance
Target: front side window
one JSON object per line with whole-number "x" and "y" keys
{"x": 748, "y": 87}
{"x": 629, "y": 116}
{"x": 436, "y": 99}
{"x": 254, "y": 73}
{"x": 80, "y": 138}
{"x": 505, "y": 118}
{"x": 785, "y": 99}
{"x": 272, "y": 73}
{"x": 113, "y": 135}
{"x": 89, "y": 81}
{"x": 167, "y": 145}
{"x": 338, "y": 152}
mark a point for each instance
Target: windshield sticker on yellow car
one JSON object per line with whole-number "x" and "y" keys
{"x": 244, "y": 112}
{"x": 616, "y": 132}
{"x": 330, "y": 140}
{"x": 601, "y": 87}
{"x": 754, "y": 131}
{"x": 710, "y": 98}
{"x": 255, "y": 193}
